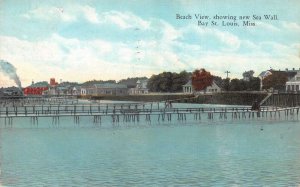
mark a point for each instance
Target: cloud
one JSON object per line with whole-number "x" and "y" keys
{"x": 90, "y": 14}
{"x": 267, "y": 27}
{"x": 75, "y": 60}
{"x": 292, "y": 26}
{"x": 163, "y": 47}
{"x": 124, "y": 20}
{"x": 50, "y": 13}
{"x": 221, "y": 39}
{"x": 227, "y": 38}
{"x": 72, "y": 59}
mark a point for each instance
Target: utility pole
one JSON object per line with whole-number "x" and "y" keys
{"x": 227, "y": 72}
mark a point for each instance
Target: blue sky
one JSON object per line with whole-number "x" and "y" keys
{"x": 79, "y": 41}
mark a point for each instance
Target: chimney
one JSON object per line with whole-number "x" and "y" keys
{"x": 286, "y": 69}
{"x": 293, "y": 69}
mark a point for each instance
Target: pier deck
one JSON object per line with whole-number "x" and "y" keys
{"x": 135, "y": 111}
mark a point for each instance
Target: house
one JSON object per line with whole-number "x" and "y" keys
{"x": 211, "y": 89}
{"x": 64, "y": 88}
{"x": 188, "y": 88}
{"x": 36, "y": 88}
{"x": 76, "y": 90}
{"x": 141, "y": 88}
{"x": 263, "y": 75}
{"x": 83, "y": 91}
{"x": 293, "y": 84}
{"x": 290, "y": 74}
{"x": 111, "y": 89}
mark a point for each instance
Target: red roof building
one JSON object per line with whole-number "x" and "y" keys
{"x": 36, "y": 89}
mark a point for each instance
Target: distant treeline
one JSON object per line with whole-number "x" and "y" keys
{"x": 130, "y": 82}
{"x": 173, "y": 82}
{"x": 168, "y": 81}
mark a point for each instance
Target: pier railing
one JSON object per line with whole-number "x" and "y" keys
{"x": 134, "y": 112}
{"x": 90, "y": 110}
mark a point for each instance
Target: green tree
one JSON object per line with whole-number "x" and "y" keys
{"x": 131, "y": 82}
{"x": 276, "y": 80}
{"x": 253, "y": 84}
{"x": 179, "y": 80}
{"x": 225, "y": 84}
{"x": 92, "y": 82}
{"x": 235, "y": 85}
{"x": 168, "y": 81}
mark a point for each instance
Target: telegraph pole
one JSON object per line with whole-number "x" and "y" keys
{"x": 227, "y": 79}
{"x": 227, "y": 72}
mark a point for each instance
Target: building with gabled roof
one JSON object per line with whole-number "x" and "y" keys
{"x": 36, "y": 88}
{"x": 293, "y": 85}
{"x": 213, "y": 88}
{"x": 290, "y": 74}
{"x": 141, "y": 87}
{"x": 105, "y": 89}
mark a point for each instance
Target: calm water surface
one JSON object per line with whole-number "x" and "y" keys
{"x": 206, "y": 153}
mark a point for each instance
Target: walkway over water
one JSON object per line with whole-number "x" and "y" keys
{"x": 132, "y": 112}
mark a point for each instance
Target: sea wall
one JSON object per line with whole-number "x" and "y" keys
{"x": 284, "y": 99}
{"x": 229, "y": 98}
{"x": 144, "y": 98}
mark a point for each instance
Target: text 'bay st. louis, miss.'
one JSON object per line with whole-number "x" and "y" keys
{"x": 226, "y": 20}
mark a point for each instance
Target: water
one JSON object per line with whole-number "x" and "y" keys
{"x": 207, "y": 153}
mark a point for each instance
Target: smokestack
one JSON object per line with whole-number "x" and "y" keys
{"x": 9, "y": 70}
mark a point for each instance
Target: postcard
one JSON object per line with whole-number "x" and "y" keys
{"x": 149, "y": 93}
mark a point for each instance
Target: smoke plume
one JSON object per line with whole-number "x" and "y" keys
{"x": 9, "y": 70}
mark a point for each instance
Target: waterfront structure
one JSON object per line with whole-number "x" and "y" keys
{"x": 141, "y": 88}
{"x": 293, "y": 84}
{"x": 188, "y": 88}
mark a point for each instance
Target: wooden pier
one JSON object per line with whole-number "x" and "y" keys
{"x": 136, "y": 112}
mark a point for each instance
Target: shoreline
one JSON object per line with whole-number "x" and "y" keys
{"x": 222, "y": 98}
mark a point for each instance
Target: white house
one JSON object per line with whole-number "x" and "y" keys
{"x": 290, "y": 73}
{"x": 293, "y": 84}
{"x": 188, "y": 88}
{"x": 83, "y": 91}
{"x": 141, "y": 88}
{"x": 211, "y": 89}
